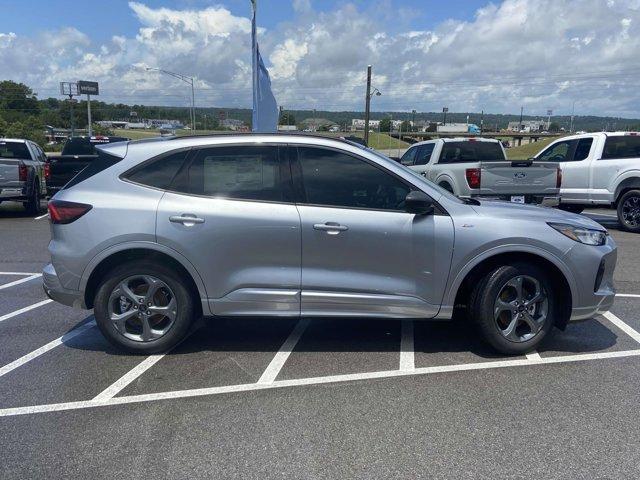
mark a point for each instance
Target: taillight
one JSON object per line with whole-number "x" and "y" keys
{"x": 473, "y": 177}
{"x": 559, "y": 178}
{"x": 62, "y": 213}
{"x": 23, "y": 172}
{"x": 47, "y": 171}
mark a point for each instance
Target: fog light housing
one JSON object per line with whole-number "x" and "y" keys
{"x": 599, "y": 276}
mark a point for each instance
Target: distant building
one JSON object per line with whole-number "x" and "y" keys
{"x": 528, "y": 126}
{"x": 287, "y": 128}
{"x": 232, "y": 124}
{"x": 358, "y": 124}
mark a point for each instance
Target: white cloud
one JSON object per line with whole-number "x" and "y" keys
{"x": 539, "y": 53}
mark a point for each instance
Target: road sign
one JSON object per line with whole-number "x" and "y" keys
{"x": 68, "y": 88}
{"x": 88, "y": 88}
{"x": 549, "y": 113}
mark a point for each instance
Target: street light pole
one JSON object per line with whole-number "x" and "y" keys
{"x": 367, "y": 107}
{"x": 189, "y": 81}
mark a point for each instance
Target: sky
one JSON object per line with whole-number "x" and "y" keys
{"x": 469, "y": 55}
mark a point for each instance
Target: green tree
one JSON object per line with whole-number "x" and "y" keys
{"x": 385, "y": 125}
{"x": 287, "y": 118}
{"x": 406, "y": 126}
{"x": 554, "y": 127}
{"x": 17, "y": 100}
{"x": 3, "y": 127}
{"x": 30, "y": 129}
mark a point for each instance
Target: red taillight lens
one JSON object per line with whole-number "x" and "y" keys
{"x": 473, "y": 177}
{"x": 62, "y": 213}
{"x": 559, "y": 178}
{"x": 47, "y": 171}
{"x": 23, "y": 173}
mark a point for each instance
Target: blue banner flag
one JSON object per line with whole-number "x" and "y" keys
{"x": 265, "y": 108}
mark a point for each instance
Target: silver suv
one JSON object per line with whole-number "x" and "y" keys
{"x": 156, "y": 233}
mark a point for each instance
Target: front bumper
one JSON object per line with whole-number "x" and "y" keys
{"x": 596, "y": 292}
{"x": 56, "y": 292}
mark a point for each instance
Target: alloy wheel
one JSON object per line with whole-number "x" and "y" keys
{"x": 142, "y": 308}
{"x": 521, "y": 308}
{"x": 631, "y": 212}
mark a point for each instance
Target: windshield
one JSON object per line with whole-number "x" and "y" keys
{"x": 17, "y": 150}
{"x": 445, "y": 193}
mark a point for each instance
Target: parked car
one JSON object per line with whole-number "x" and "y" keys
{"x": 599, "y": 169}
{"x": 287, "y": 225}
{"x": 22, "y": 176}
{"x": 478, "y": 167}
{"x": 77, "y": 153}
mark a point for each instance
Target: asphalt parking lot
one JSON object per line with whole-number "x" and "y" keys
{"x": 313, "y": 398}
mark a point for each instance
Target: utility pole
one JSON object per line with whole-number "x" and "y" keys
{"x": 573, "y": 110}
{"x": 481, "y": 122}
{"x": 521, "y": 112}
{"x": 413, "y": 119}
{"x": 367, "y": 108}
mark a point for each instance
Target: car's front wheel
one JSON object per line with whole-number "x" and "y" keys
{"x": 143, "y": 308}
{"x": 514, "y": 307}
{"x": 629, "y": 211}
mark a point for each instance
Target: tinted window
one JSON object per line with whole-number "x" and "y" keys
{"x": 583, "y": 149}
{"x": 461, "y": 152}
{"x": 558, "y": 152}
{"x": 627, "y": 146}
{"x": 242, "y": 172}
{"x": 337, "y": 179}
{"x": 78, "y": 146}
{"x": 102, "y": 162}
{"x": 159, "y": 173}
{"x": 409, "y": 156}
{"x": 14, "y": 150}
{"x": 424, "y": 154}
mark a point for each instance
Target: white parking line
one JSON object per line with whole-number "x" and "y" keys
{"x": 23, "y": 310}
{"x": 627, "y": 295}
{"x": 407, "y": 355}
{"x": 278, "y": 361}
{"x": 129, "y": 377}
{"x": 45, "y": 348}
{"x": 22, "y": 280}
{"x": 42, "y": 216}
{"x": 201, "y": 392}
{"x": 622, "y": 326}
{"x": 534, "y": 356}
{"x": 22, "y": 274}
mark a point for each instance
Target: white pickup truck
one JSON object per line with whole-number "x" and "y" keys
{"x": 599, "y": 169}
{"x": 22, "y": 173}
{"x": 478, "y": 167}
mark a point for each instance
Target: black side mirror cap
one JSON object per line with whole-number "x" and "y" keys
{"x": 419, "y": 203}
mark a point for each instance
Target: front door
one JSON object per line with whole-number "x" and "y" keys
{"x": 230, "y": 213}
{"x": 362, "y": 254}
{"x": 573, "y": 156}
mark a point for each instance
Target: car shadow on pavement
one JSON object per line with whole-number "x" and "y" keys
{"x": 259, "y": 334}
{"x": 16, "y": 210}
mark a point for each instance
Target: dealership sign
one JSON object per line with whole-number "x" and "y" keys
{"x": 88, "y": 88}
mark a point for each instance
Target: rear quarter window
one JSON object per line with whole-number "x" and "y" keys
{"x": 626, "y": 146}
{"x": 159, "y": 173}
{"x": 103, "y": 161}
{"x": 468, "y": 152}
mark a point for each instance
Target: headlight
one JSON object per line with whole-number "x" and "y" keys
{"x": 581, "y": 234}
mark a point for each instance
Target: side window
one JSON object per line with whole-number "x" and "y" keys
{"x": 337, "y": 179}
{"x": 583, "y": 149}
{"x": 159, "y": 173}
{"x": 626, "y": 146}
{"x": 560, "y": 152}
{"x": 424, "y": 154}
{"x": 238, "y": 172}
{"x": 409, "y": 156}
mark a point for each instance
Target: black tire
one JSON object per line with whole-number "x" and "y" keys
{"x": 185, "y": 310}
{"x": 33, "y": 204}
{"x": 568, "y": 207}
{"x": 483, "y": 300}
{"x": 629, "y": 211}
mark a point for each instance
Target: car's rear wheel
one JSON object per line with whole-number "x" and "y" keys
{"x": 33, "y": 204}
{"x": 629, "y": 211}
{"x": 143, "y": 308}
{"x": 514, "y": 307}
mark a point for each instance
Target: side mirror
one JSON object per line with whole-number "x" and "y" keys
{"x": 419, "y": 203}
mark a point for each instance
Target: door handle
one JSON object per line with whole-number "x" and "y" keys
{"x": 186, "y": 219}
{"x": 332, "y": 228}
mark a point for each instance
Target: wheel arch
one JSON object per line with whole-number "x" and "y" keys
{"x": 629, "y": 183}
{"x": 444, "y": 178}
{"x": 113, "y": 256}
{"x": 482, "y": 264}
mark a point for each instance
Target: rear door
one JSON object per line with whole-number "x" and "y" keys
{"x": 362, "y": 254}
{"x": 230, "y": 212}
{"x": 616, "y": 159}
